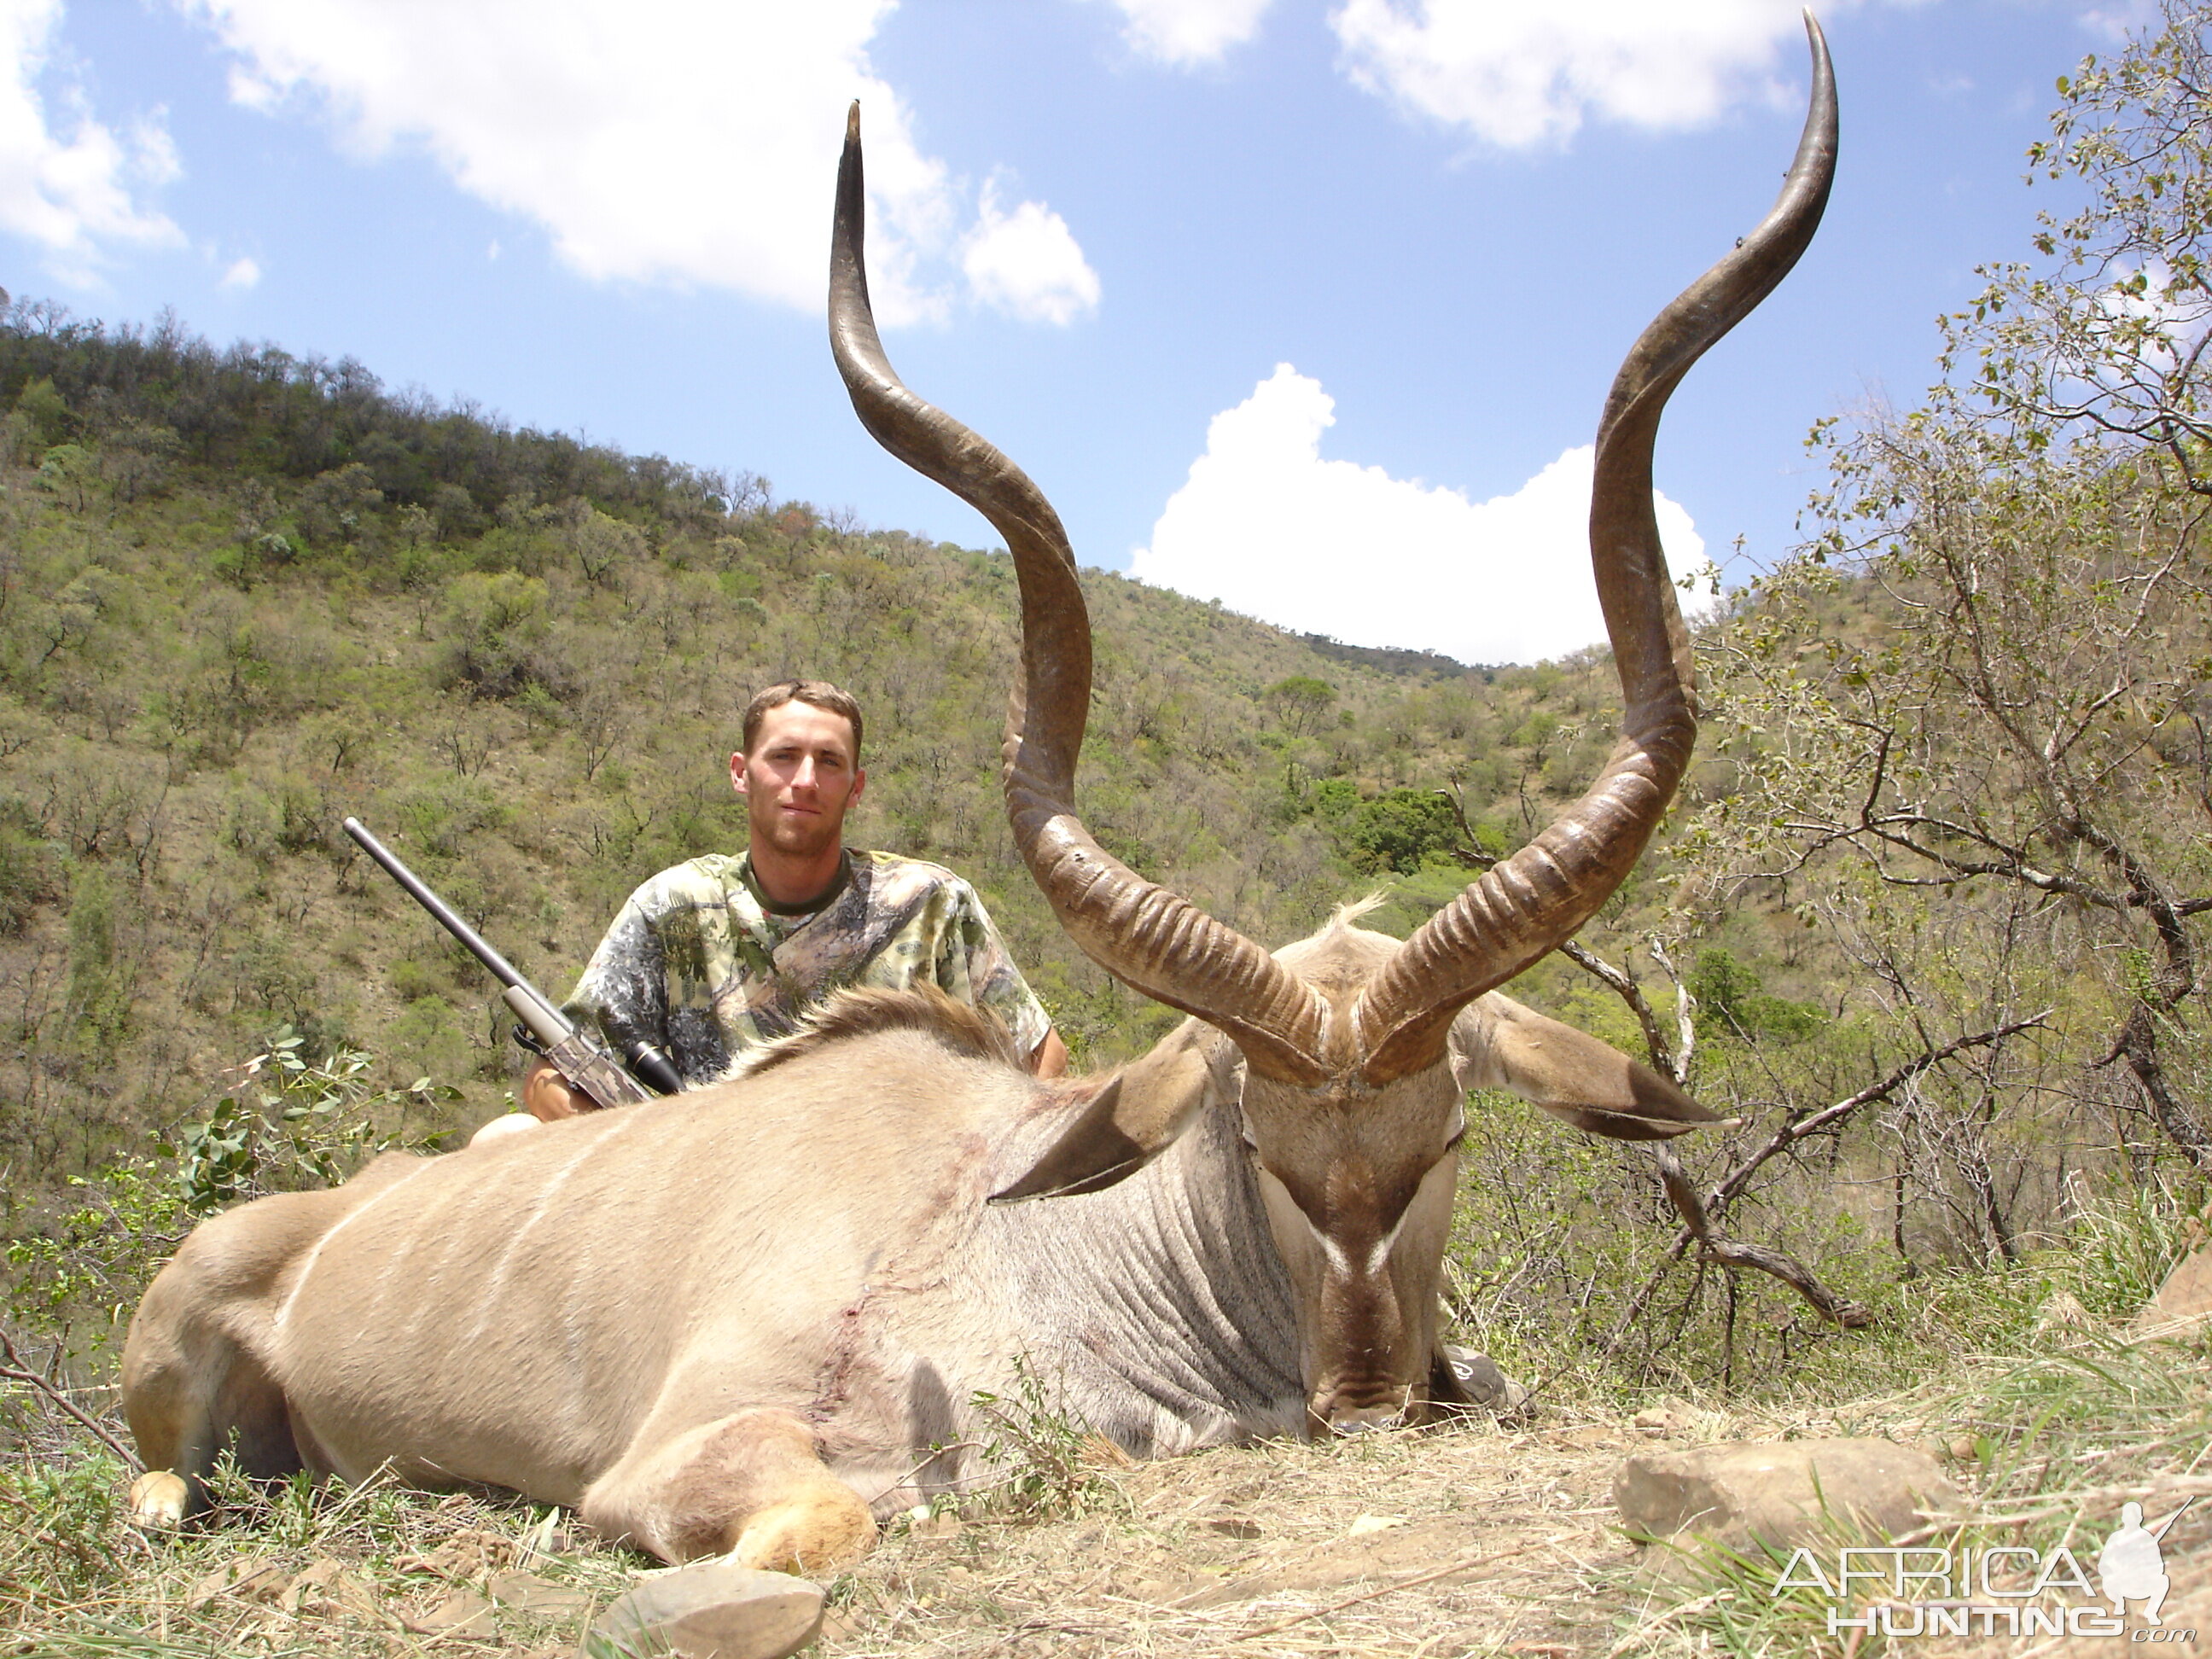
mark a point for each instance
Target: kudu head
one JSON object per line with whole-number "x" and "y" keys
{"x": 1353, "y": 1093}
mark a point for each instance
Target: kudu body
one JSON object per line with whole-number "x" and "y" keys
{"x": 741, "y": 1320}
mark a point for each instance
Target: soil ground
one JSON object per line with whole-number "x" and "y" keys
{"x": 1482, "y": 1539}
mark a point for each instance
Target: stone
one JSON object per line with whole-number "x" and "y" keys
{"x": 2183, "y": 1301}
{"x": 1782, "y": 1493}
{"x": 460, "y": 1613}
{"x": 159, "y": 1499}
{"x": 256, "y": 1578}
{"x": 528, "y": 1593}
{"x": 712, "y": 1610}
{"x": 1676, "y": 1418}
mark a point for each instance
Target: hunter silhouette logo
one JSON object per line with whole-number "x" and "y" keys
{"x": 2003, "y": 1590}
{"x": 2131, "y": 1567}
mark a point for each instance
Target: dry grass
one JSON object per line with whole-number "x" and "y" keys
{"x": 2053, "y": 1445}
{"x": 1469, "y": 1539}
{"x": 1478, "y": 1539}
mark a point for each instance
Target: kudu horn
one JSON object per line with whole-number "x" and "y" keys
{"x": 1157, "y": 941}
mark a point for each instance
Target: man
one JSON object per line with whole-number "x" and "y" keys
{"x": 720, "y": 953}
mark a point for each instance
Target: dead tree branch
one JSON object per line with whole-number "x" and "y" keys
{"x": 1828, "y": 1117}
{"x": 1695, "y": 1211}
{"x": 15, "y": 1371}
{"x": 1698, "y": 1224}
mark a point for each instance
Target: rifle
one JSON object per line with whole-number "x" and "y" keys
{"x": 571, "y": 1052}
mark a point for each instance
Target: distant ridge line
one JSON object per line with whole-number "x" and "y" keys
{"x": 1397, "y": 660}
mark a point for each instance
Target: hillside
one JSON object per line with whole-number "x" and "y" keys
{"x": 243, "y": 595}
{"x": 1927, "y": 926}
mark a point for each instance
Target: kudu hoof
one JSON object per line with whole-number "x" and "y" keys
{"x": 712, "y": 1610}
{"x": 159, "y": 1499}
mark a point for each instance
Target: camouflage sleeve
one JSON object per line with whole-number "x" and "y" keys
{"x": 622, "y": 996}
{"x": 974, "y": 965}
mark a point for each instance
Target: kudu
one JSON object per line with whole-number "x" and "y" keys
{"x": 740, "y": 1320}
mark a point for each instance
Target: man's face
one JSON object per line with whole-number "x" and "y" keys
{"x": 799, "y": 779}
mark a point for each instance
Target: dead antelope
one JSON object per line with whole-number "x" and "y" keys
{"x": 741, "y": 1319}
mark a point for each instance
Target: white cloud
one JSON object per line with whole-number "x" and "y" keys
{"x": 2114, "y": 24}
{"x": 1522, "y": 74}
{"x": 241, "y": 274}
{"x": 1027, "y": 264}
{"x": 75, "y": 194}
{"x": 1268, "y": 527}
{"x": 1189, "y": 32}
{"x": 656, "y": 141}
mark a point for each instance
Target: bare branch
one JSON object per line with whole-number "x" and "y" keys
{"x": 1624, "y": 985}
{"x": 15, "y": 1371}
{"x": 1699, "y": 1215}
{"x": 1828, "y": 1117}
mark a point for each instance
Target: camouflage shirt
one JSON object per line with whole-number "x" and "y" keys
{"x": 698, "y": 964}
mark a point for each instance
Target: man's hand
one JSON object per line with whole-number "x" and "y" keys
{"x": 1048, "y": 1058}
{"x": 546, "y": 1095}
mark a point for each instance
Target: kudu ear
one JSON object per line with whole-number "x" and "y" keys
{"x": 1128, "y": 1123}
{"x": 1497, "y": 1043}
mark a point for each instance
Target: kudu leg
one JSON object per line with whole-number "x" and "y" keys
{"x": 751, "y": 1486}
{"x": 196, "y": 1373}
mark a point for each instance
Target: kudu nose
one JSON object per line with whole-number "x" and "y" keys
{"x": 1346, "y": 1418}
{"x": 1345, "y": 1427}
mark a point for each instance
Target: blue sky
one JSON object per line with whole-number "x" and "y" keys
{"x": 1104, "y": 227}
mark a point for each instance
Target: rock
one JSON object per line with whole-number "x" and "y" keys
{"x": 256, "y": 1578}
{"x": 712, "y": 1610}
{"x": 1676, "y": 1418}
{"x": 2184, "y": 1302}
{"x": 1366, "y": 1524}
{"x": 1234, "y": 1526}
{"x": 1780, "y": 1494}
{"x": 462, "y": 1613}
{"x": 159, "y": 1499}
{"x": 527, "y": 1592}
{"x": 1582, "y": 1434}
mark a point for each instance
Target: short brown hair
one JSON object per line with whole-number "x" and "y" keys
{"x": 820, "y": 694}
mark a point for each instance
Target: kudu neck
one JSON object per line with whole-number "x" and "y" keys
{"x": 1165, "y": 1299}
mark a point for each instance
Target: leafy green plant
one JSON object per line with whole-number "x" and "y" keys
{"x": 304, "y": 1123}
{"x": 1046, "y": 1463}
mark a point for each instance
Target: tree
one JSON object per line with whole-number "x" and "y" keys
{"x": 1303, "y": 701}
{"x": 1972, "y": 717}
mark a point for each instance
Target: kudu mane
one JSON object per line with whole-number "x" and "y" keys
{"x": 866, "y": 1010}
